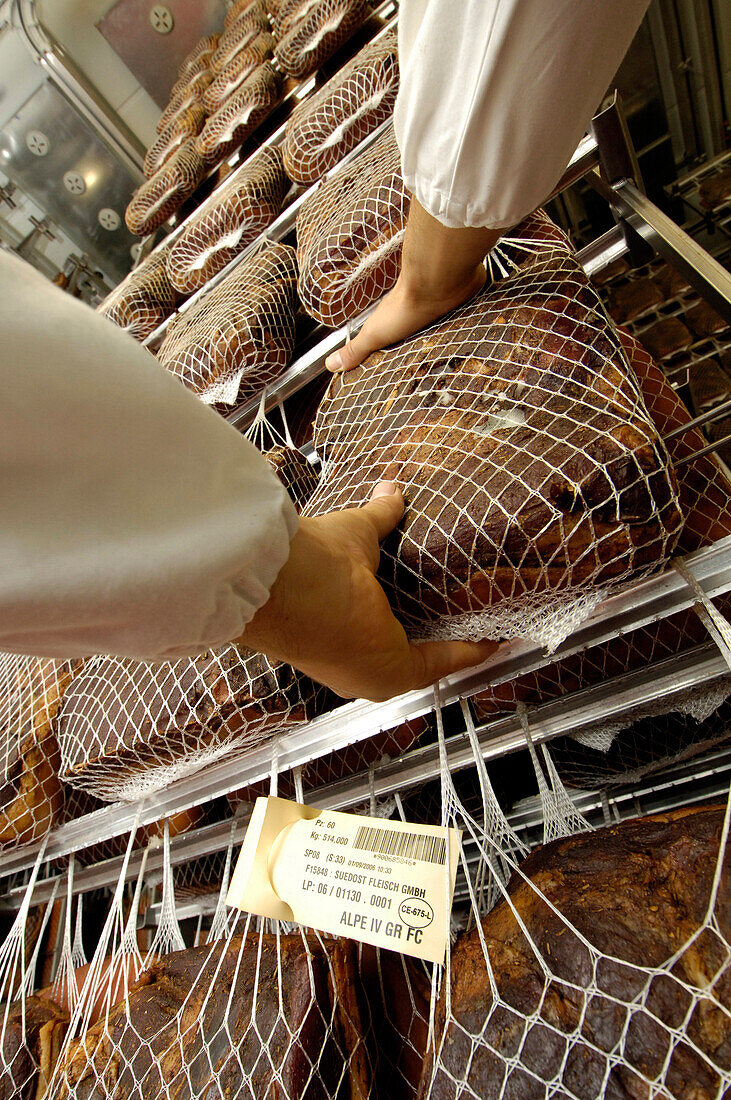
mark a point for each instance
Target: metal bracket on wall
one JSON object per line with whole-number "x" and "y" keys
{"x": 618, "y": 161}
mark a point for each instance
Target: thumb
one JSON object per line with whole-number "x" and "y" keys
{"x": 431, "y": 661}
{"x": 385, "y": 508}
{"x": 350, "y": 355}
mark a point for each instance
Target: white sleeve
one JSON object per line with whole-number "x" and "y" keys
{"x": 135, "y": 520}
{"x": 495, "y": 96}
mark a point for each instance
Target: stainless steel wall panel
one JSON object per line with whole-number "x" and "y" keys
{"x": 71, "y": 147}
{"x": 155, "y": 58}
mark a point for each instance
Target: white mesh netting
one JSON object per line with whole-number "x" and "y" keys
{"x": 709, "y": 385}
{"x": 601, "y": 969}
{"x": 631, "y": 750}
{"x": 31, "y": 797}
{"x": 602, "y": 972}
{"x": 238, "y": 337}
{"x": 199, "y": 58}
{"x": 636, "y": 649}
{"x": 228, "y": 127}
{"x": 317, "y": 30}
{"x": 157, "y": 199}
{"x": 230, "y": 220}
{"x": 186, "y": 124}
{"x": 328, "y": 125}
{"x": 298, "y": 476}
{"x": 703, "y": 486}
{"x": 238, "y": 9}
{"x": 239, "y": 34}
{"x": 350, "y": 232}
{"x": 253, "y": 1014}
{"x": 532, "y": 473}
{"x": 144, "y": 299}
{"x": 129, "y": 727}
{"x": 334, "y": 766}
{"x": 189, "y": 92}
{"x": 285, "y": 15}
{"x": 238, "y": 69}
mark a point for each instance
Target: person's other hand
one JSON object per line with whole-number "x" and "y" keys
{"x": 399, "y": 315}
{"x": 441, "y": 268}
{"x": 329, "y": 617}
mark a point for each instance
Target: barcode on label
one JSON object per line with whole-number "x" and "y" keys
{"x": 387, "y": 842}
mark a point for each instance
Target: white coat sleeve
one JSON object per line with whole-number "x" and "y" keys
{"x": 135, "y": 520}
{"x": 495, "y": 96}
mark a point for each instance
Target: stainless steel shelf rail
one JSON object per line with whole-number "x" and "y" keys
{"x": 629, "y": 609}
{"x": 610, "y": 699}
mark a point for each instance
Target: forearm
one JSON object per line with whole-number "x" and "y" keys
{"x": 136, "y": 520}
{"x": 439, "y": 262}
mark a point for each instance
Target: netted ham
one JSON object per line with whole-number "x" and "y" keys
{"x": 288, "y": 13}
{"x": 705, "y": 321}
{"x": 321, "y": 30}
{"x": 703, "y": 486}
{"x": 32, "y": 1030}
{"x": 326, "y": 126}
{"x": 334, "y": 766}
{"x": 129, "y": 727}
{"x": 709, "y": 384}
{"x": 602, "y": 972}
{"x": 533, "y": 474}
{"x": 245, "y": 1018}
{"x": 240, "y": 336}
{"x": 143, "y": 300}
{"x": 666, "y": 338}
{"x": 31, "y": 797}
{"x": 239, "y": 116}
{"x": 633, "y": 299}
{"x": 634, "y": 650}
{"x": 396, "y": 991}
{"x": 715, "y": 191}
{"x": 199, "y": 57}
{"x": 238, "y": 69}
{"x": 239, "y": 34}
{"x": 186, "y": 94}
{"x": 237, "y": 9}
{"x": 157, "y": 199}
{"x": 186, "y": 124}
{"x": 350, "y": 232}
{"x": 231, "y": 220}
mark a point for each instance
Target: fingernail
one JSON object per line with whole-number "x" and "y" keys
{"x": 384, "y": 489}
{"x": 334, "y": 362}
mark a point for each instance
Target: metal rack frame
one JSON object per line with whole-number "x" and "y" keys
{"x": 497, "y": 738}
{"x": 635, "y": 605}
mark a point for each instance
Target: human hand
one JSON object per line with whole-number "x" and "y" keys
{"x": 400, "y": 314}
{"x": 329, "y": 617}
{"x": 441, "y": 268}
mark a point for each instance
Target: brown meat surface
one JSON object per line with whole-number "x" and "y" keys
{"x": 705, "y": 321}
{"x": 519, "y": 433}
{"x": 716, "y": 190}
{"x": 633, "y": 299}
{"x": 208, "y": 1021}
{"x": 629, "y": 897}
{"x": 397, "y": 991}
{"x": 28, "y": 1055}
{"x": 122, "y": 718}
{"x": 666, "y": 338}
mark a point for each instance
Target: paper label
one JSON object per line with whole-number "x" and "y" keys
{"x": 385, "y": 883}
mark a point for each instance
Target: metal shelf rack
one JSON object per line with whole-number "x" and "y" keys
{"x": 633, "y": 606}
